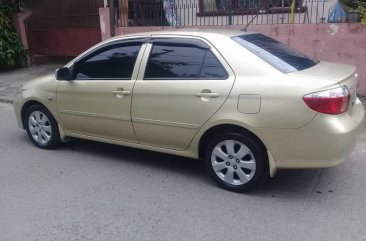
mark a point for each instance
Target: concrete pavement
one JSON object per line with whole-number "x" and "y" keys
{"x": 92, "y": 191}
{"x": 10, "y": 81}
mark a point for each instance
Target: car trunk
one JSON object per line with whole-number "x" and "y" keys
{"x": 341, "y": 74}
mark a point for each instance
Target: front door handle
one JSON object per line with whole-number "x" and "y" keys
{"x": 119, "y": 93}
{"x": 207, "y": 95}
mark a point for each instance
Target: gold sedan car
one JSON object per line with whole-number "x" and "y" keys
{"x": 243, "y": 102}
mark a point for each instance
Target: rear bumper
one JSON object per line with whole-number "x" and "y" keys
{"x": 325, "y": 142}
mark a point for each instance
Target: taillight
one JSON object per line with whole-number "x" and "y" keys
{"x": 334, "y": 101}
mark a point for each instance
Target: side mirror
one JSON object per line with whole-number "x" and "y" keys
{"x": 63, "y": 74}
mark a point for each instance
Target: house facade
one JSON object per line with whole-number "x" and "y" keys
{"x": 68, "y": 27}
{"x": 221, "y": 12}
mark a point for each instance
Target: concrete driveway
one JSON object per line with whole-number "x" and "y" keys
{"x": 10, "y": 81}
{"x": 92, "y": 191}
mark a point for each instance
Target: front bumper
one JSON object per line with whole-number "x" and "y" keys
{"x": 325, "y": 142}
{"x": 17, "y": 103}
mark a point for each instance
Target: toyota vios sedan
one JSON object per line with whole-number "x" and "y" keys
{"x": 244, "y": 103}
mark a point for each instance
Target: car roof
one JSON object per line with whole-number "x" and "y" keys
{"x": 207, "y": 33}
{"x": 189, "y": 32}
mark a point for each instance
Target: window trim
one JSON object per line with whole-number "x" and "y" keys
{"x": 174, "y": 41}
{"x": 196, "y": 43}
{"x": 100, "y": 49}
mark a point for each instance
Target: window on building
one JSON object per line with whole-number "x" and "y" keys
{"x": 246, "y": 6}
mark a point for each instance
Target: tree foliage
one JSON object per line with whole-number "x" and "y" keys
{"x": 362, "y": 9}
{"x": 11, "y": 48}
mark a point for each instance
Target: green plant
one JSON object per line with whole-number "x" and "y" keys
{"x": 11, "y": 48}
{"x": 362, "y": 9}
{"x": 349, "y": 5}
{"x": 356, "y": 6}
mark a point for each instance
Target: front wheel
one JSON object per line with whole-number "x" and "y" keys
{"x": 236, "y": 162}
{"x": 41, "y": 127}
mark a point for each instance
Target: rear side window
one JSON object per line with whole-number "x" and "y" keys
{"x": 275, "y": 53}
{"x": 112, "y": 62}
{"x": 211, "y": 67}
{"x": 182, "y": 61}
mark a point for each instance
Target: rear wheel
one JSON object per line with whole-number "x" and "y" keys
{"x": 41, "y": 127}
{"x": 236, "y": 162}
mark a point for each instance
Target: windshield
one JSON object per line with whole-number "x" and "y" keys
{"x": 275, "y": 53}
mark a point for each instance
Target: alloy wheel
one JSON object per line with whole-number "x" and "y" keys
{"x": 233, "y": 162}
{"x": 40, "y": 127}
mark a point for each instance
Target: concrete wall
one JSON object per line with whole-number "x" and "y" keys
{"x": 341, "y": 43}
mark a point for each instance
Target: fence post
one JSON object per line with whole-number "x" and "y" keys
{"x": 230, "y": 13}
{"x": 104, "y": 19}
{"x": 112, "y": 17}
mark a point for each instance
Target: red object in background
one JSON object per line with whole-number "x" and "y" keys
{"x": 62, "y": 42}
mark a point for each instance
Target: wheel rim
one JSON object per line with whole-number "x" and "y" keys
{"x": 233, "y": 162}
{"x": 40, "y": 127}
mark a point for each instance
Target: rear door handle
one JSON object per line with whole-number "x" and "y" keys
{"x": 119, "y": 93}
{"x": 207, "y": 95}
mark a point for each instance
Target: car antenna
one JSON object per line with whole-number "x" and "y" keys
{"x": 254, "y": 17}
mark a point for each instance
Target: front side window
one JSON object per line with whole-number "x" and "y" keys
{"x": 181, "y": 61}
{"x": 112, "y": 62}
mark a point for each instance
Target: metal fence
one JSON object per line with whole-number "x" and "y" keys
{"x": 220, "y": 12}
{"x": 65, "y": 14}
{"x": 62, "y": 28}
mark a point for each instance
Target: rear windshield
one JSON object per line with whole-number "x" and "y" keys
{"x": 275, "y": 53}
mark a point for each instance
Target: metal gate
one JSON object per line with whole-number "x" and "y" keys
{"x": 63, "y": 28}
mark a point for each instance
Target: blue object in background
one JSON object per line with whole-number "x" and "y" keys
{"x": 336, "y": 14}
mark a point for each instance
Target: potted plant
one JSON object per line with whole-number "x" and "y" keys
{"x": 351, "y": 7}
{"x": 362, "y": 9}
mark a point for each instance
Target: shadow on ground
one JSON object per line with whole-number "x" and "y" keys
{"x": 286, "y": 181}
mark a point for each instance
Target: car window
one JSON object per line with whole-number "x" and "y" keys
{"x": 175, "y": 60}
{"x": 275, "y": 53}
{"x": 112, "y": 62}
{"x": 212, "y": 68}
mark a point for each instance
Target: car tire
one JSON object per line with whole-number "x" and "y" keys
{"x": 41, "y": 127}
{"x": 236, "y": 162}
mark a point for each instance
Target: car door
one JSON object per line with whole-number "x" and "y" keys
{"x": 182, "y": 82}
{"x": 97, "y": 101}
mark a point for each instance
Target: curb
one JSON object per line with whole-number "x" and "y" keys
{"x": 6, "y": 101}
